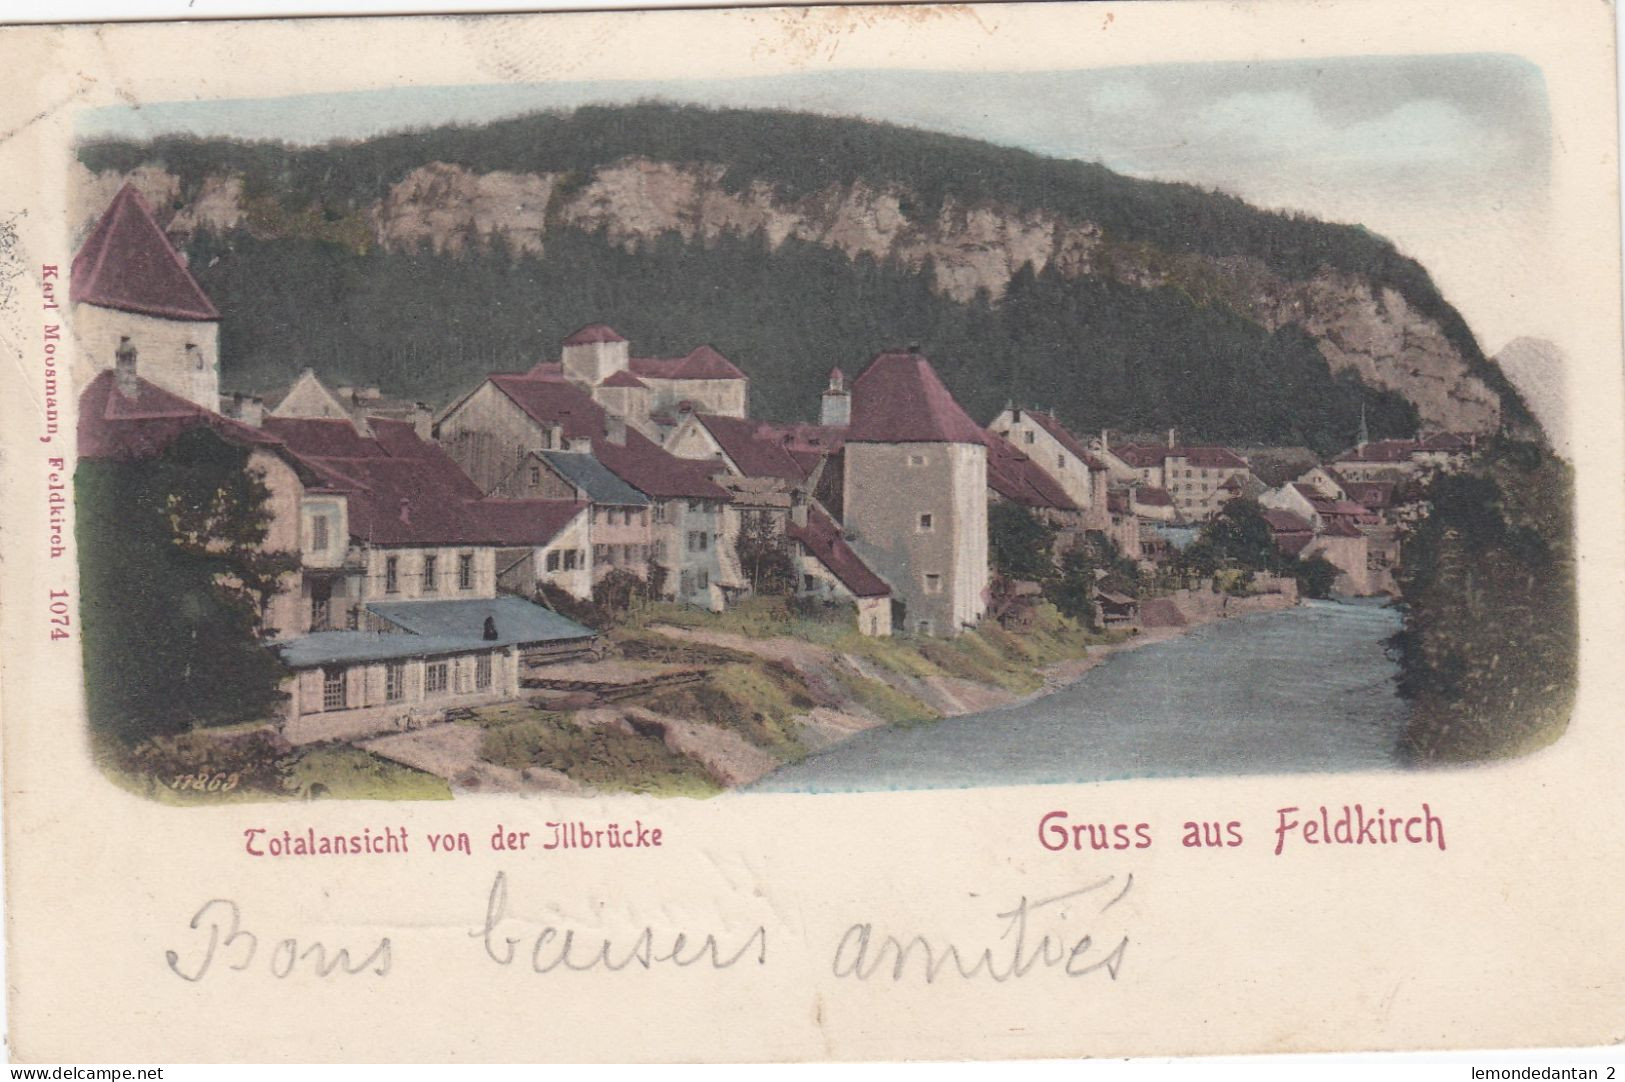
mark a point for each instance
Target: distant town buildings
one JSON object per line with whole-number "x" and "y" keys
{"x": 425, "y": 541}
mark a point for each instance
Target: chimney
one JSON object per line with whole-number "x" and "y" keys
{"x": 422, "y": 421}
{"x": 406, "y": 510}
{"x": 615, "y": 429}
{"x": 835, "y": 410}
{"x": 1105, "y": 443}
{"x": 124, "y": 359}
{"x": 490, "y": 634}
{"x": 914, "y": 347}
{"x": 1171, "y": 438}
{"x": 248, "y": 408}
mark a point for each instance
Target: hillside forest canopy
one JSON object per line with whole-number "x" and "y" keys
{"x": 302, "y": 281}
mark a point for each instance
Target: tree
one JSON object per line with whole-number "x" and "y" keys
{"x": 762, "y": 555}
{"x": 1315, "y": 576}
{"x": 175, "y": 580}
{"x": 1239, "y": 536}
{"x": 1019, "y": 545}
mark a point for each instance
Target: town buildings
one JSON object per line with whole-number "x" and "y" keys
{"x": 423, "y": 541}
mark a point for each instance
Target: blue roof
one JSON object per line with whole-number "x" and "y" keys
{"x": 430, "y": 628}
{"x": 594, "y": 478}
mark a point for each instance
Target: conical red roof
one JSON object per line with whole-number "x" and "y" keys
{"x": 900, "y": 398}
{"x": 127, "y": 263}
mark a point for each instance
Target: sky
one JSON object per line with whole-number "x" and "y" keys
{"x": 1448, "y": 156}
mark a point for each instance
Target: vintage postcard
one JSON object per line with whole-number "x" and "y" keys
{"x": 825, "y": 533}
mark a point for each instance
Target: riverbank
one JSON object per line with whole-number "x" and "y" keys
{"x": 1305, "y": 688}
{"x": 763, "y": 689}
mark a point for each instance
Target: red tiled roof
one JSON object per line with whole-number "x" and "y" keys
{"x": 323, "y": 437}
{"x": 1445, "y": 441}
{"x": 113, "y": 426}
{"x": 1372, "y": 495}
{"x": 1325, "y": 505}
{"x": 1285, "y": 521}
{"x": 703, "y": 362}
{"x": 1140, "y": 455}
{"x": 1065, "y": 438}
{"x": 522, "y": 522}
{"x": 546, "y": 370}
{"x": 823, "y": 541}
{"x": 801, "y": 437}
{"x": 1341, "y": 527}
{"x": 1117, "y": 502}
{"x": 127, "y": 263}
{"x": 1380, "y": 451}
{"x": 657, "y": 472}
{"x": 752, "y": 447}
{"x": 593, "y": 332}
{"x": 553, "y": 401}
{"x": 623, "y": 378}
{"x": 1153, "y": 497}
{"x": 1021, "y": 480}
{"x": 399, "y": 489}
{"x": 899, "y": 398}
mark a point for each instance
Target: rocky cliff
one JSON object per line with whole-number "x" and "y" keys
{"x": 965, "y": 249}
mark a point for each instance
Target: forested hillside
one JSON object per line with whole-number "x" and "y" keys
{"x": 793, "y": 242}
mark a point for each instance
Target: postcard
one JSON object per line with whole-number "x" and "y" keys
{"x": 822, "y": 533}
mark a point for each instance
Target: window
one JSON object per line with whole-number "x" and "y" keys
{"x": 643, "y": 518}
{"x": 431, "y": 574}
{"x": 392, "y": 575}
{"x": 465, "y": 571}
{"x": 687, "y": 579}
{"x": 916, "y": 460}
{"x": 395, "y": 681}
{"x": 1029, "y": 437}
{"x": 333, "y": 688}
{"x": 1060, "y": 462}
{"x": 434, "y": 678}
{"x": 697, "y": 540}
{"x": 318, "y": 533}
{"x": 660, "y": 512}
{"x": 702, "y": 579}
{"x": 927, "y": 522}
{"x": 572, "y": 559}
{"x": 553, "y": 560}
{"x": 807, "y": 583}
{"x": 482, "y": 672}
{"x": 535, "y": 476}
{"x": 933, "y": 584}
{"x": 600, "y": 554}
{"x": 696, "y": 505}
{"x": 660, "y": 549}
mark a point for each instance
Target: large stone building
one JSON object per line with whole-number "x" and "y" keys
{"x": 599, "y": 361}
{"x": 914, "y": 494}
{"x": 1199, "y": 480}
{"x": 136, "y": 305}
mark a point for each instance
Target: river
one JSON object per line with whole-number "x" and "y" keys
{"x": 1302, "y": 689}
